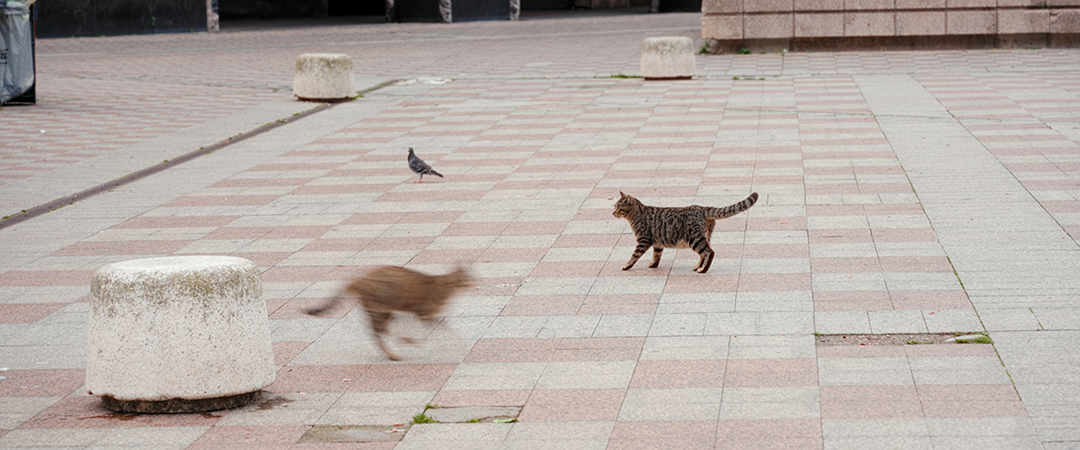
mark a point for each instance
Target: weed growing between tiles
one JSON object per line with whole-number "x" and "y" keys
{"x": 392, "y": 433}
{"x": 829, "y": 340}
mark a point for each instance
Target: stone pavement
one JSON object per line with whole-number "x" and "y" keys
{"x": 901, "y": 192}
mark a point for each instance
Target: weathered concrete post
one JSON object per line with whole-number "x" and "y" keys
{"x": 324, "y": 77}
{"x": 667, "y": 58}
{"x": 178, "y": 334}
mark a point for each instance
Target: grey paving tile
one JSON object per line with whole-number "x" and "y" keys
{"x": 587, "y": 375}
{"x": 455, "y": 436}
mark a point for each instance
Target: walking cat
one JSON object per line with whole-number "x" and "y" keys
{"x": 387, "y": 289}
{"x": 685, "y": 227}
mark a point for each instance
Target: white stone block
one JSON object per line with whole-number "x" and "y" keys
{"x": 178, "y": 334}
{"x": 324, "y": 77}
{"x": 667, "y": 57}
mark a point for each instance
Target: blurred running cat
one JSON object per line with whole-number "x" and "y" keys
{"x": 387, "y": 289}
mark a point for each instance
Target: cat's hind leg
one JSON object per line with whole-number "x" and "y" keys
{"x": 656, "y": 251}
{"x": 642, "y": 246}
{"x": 702, "y": 248}
{"x": 379, "y": 326}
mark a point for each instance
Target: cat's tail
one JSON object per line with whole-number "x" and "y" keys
{"x": 728, "y": 211}
{"x": 327, "y": 305}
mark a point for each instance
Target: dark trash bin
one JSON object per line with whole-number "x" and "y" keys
{"x": 16, "y": 52}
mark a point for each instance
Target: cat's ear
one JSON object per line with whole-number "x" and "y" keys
{"x": 622, "y": 195}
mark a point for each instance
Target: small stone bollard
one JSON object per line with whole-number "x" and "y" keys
{"x": 324, "y": 77}
{"x": 667, "y": 58}
{"x": 178, "y": 335}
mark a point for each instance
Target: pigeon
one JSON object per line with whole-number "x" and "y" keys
{"x": 420, "y": 167}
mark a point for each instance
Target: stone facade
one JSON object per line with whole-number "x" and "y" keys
{"x": 827, "y": 24}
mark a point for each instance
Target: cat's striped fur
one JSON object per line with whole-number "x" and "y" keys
{"x": 685, "y": 227}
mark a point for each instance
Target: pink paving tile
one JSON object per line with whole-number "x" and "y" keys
{"x": 678, "y": 284}
{"x": 411, "y": 217}
{"x": 295, "y": 166}
{"x": 475, "y": 228}
{"x": 1061, "y": 206}
{"x": 27, "y": 312}
{"x": 737, "y": 223}
{"x": 588, "y": 240}
{"x": 285, "y": 351}
{"x": 774, "y": 282}
{"x": 598, "y": 349}
{"x": 775, "y": 223}
{"x": 230, "y": 437}
{"x": 869, "y": 402}
{"x": 46, "y": 278}
{"x": 512, "y": 350}
{"x": 512, "y": 255}
{"x": 771, "y": 372}
{"x": 852, "y": 301}
{"x": 932, "y": 300}
{"x": 222, "y": 200}
{"x": 838, "y": 236}
{"x": 533, "y": 228}
{"x": 591, "y": 214}
{"x": 87, "y": 412}
{"x": 432, "y": 196}
{"x": 481, "y": 398}
{"x": 659, "y": 191}
{"x": 644, "y": 435}
{"x": 769, "y": 434}
{"x": 293, "y": 379}
{"x": 41, "y": 383}
{"x": 620, "y": 304}
{"x": 572, "y": 405}
{"x": 553, "y": 305}
{"x": 904, "y": 235}
{"x": 122, "y": 248}
{"x": 307, "y": 273}
{"x": 567, "y": 269}
{"x": 868, "y": 351}
{"x": 399, "y": 243}
{"x": 668, "y": 374}
{"x": 238, "y": 233}
{"x": 403, "y": 377}
{"x": 845, "y": 265}
{"x": 442, "y": 256}
{"x": 336, "y": 244}
{"x": 177, "y": 222}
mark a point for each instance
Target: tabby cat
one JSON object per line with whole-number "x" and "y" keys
{"x": 387, "y": 289}
{"x": 685, "y": 227}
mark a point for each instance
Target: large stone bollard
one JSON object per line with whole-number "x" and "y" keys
{"x": 667, "y": 58}
{"x": 324, "y": 77}
{"x": 178, "y": 334}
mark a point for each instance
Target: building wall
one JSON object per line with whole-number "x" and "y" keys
{"x": 68, "y": 18}
{"x": 838, "y": 24}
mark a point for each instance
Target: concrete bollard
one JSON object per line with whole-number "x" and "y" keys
{"x": 667, "y": 58}
{"x": 178, "y": 335}
{"x": 324, "y": 77}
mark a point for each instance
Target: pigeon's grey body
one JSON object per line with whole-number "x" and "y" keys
{"x": 419, "y": 167}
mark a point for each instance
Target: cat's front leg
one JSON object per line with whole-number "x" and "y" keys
{"x": 642, "y": 246}
{"x": 656, "y": 251}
